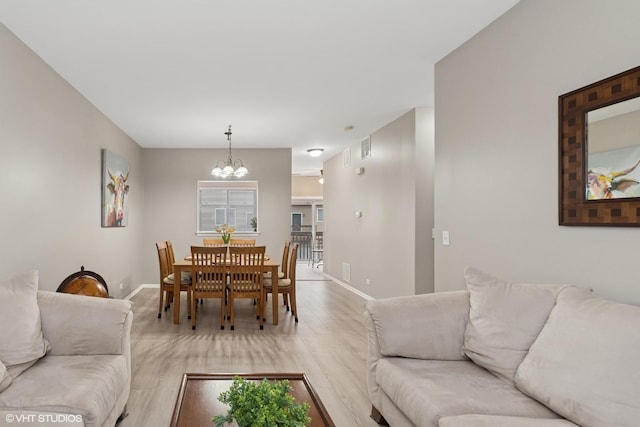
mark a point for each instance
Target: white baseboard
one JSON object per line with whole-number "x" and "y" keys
{"x": 141, "y": 287}
{"x": 350, "y": 288}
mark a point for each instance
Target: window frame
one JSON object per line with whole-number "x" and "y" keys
{"x": 227, "y": 186}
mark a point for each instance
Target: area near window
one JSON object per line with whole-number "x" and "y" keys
{"x": 233, "y": 203}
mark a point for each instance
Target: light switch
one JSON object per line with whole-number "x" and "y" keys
{"x": 445, "y": 238}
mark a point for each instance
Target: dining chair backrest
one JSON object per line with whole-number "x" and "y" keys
{"x": 170, "y": 255}
{"x": 284, "y": 266}
{"x": 246, "y": 268}
{"x": 163, "y": 260}
{"x": 216, "y": 241}
{"x": 209, "y": 268}
{"x": 293, "y": 259}
{"x": 242, "y": 242}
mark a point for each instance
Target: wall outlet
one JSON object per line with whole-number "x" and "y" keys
{"x": 367, "y": 281}
{"x": 121, "y": 285}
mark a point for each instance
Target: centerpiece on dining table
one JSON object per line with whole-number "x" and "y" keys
{"x": 225, "y": 232}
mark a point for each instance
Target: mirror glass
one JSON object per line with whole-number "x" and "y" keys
{"x": 613, "y": 151}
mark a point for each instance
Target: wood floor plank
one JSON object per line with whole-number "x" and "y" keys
{"x": 328, "y": 344}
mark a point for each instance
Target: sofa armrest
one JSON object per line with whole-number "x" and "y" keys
{"x": 82, "y": 325}
{"x": 429, "y": 326}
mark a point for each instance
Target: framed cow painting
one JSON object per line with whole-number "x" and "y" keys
{"x": 115, "y": 190}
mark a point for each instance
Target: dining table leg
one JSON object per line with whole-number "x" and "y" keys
{"x": 177, "y": 275}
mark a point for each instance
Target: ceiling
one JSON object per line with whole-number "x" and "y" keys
{"x": 283, "y": 73}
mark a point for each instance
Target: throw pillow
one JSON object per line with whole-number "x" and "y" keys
{"x": 5, "y": 378}
{"x": 584, "y": 364}
{"x": 504, "y": 320}
{"x": 21, "y": 340}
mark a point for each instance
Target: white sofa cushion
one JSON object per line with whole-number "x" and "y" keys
{"x": 426, "y": 390}
{"x": 5, "y": 378}
{"x": 428, "y": 326}
{"x": 476, "y": 420}
{"x": 84, "y": 385}
{"x": 504, "y": 320}
{"x": 21, "y": 340}
{"x": 584, "y": 364}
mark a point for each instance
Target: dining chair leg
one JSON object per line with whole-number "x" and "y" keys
{"x": 161, "y": 302}
{"x": 294, "y": 308}
{"x": 261, "y": 305}
{"x": 192, "y": 309}
{"x": 222, "y": 310}
{"x": 189, "y": 299}
{"x": 231, "y": 312}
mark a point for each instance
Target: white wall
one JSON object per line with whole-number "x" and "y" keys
{"x": 497, "y": 147}
{"x": 170, "y": 179}
{"x": 383, "y": 244}
{"x": 50, "y": 178}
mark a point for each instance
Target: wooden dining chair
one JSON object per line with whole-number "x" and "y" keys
{"x": 242, "y": 242}
{"x": 167, "y": 280}
{"x": 283, "y": 265}
{"x": 246, "y": 279}
{"x": 209, "y": 278}
{"x": 287, "y": 285}
{"x": 216, "y": 241}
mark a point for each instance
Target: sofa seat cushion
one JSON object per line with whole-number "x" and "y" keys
{"x": 426, "y": 390}
{"x": 584, "y": 364}
{"x": 84, "y": 385}
{"x": 476, "y": 420}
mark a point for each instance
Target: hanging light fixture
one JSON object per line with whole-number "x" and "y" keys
{"x": 227, "y": 168}
{"x": 321, "y": 180}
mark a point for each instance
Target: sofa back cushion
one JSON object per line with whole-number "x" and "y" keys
{"x": 504, "y": 320}
{"x": 584, "y": 364}
{"x": 21, "y": 339}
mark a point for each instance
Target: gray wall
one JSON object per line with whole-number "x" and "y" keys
{"x": 384, "y": 244}
{"x": 170, "y": 179}
{"x": 497, "y": 147}
{"x": 50, "y": 178}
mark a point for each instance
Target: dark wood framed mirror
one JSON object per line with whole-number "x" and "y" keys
{"x": 599, "y": 153}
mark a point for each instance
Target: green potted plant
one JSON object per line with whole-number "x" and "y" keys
{"x": 254, "y": 223}
{"x": 262, "y": 404}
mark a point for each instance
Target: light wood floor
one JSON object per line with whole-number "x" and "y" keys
{"x": 328, "y": 344}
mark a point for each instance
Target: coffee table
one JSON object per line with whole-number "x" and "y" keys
{"x": 198, "y": 400}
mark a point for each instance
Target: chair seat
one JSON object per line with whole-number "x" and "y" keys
{"x": 281, "y": 283}
{"x": 185, "y": 278}
{"x": 267, "y": 275}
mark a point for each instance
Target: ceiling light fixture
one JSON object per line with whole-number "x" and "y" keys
{"x": 227, "y": 168}
{"x": 321, "y": 180}
{"x": 315, "y": 152}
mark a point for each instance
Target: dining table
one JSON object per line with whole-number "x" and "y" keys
{"x": 184, "y": 265}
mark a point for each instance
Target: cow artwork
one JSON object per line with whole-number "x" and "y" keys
{"x": 114, "y": 190}
{"x": 606, "y": 184}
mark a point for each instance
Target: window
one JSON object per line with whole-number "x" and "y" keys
{"x": 320, "y": 214}
{"x": 232, "y": 203}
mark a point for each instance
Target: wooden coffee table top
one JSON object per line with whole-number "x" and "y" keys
{"x": 198, "y": 400}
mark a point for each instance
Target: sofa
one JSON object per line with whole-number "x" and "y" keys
{"x": 503, "y": 354}
{"x": 65, "y": 360}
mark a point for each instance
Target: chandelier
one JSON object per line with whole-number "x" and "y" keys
{"x": 229, "y": 167}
